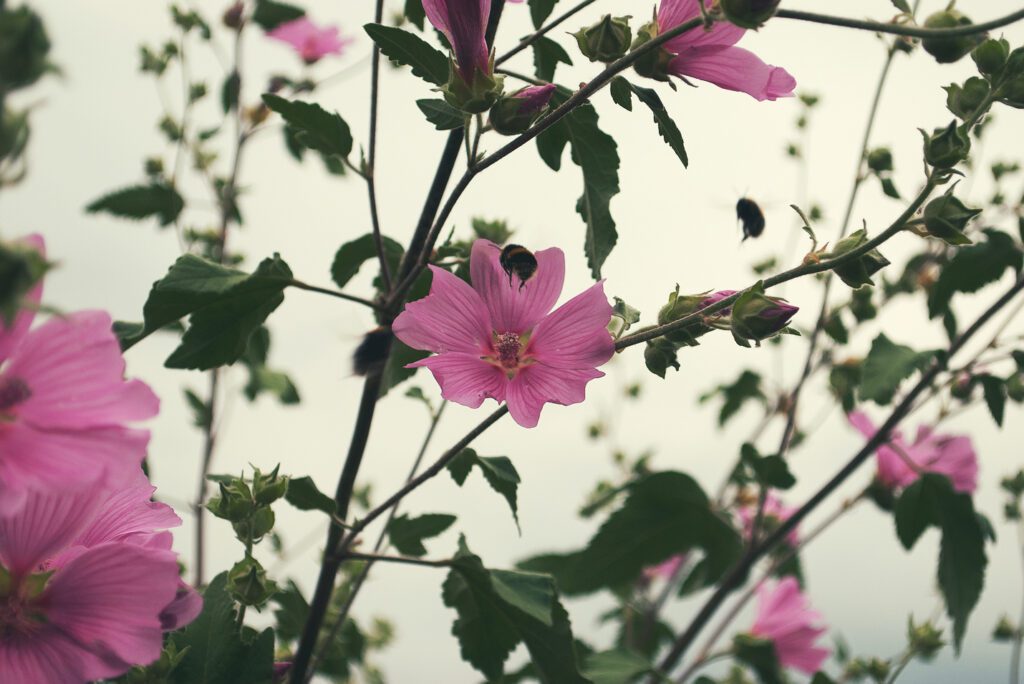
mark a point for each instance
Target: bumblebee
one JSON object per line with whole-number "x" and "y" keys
{"x": 750, "y": 215}
{"x": 372, "y": 351}
{"x": 519, "y": 261}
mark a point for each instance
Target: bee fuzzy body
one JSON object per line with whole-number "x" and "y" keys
{"x": 518, "y": 261}
{"x": 751, "y": 216}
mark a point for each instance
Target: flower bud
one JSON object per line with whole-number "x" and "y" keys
{"x": 963, "y": 387}
{"x": 946, "y": 147}
{"x": 256, "y": 526}
{"x": 653, "y": 63}
{"x": 233, "y": 16}
{"x": 990, "y": 56}
{"x": 964, "y": 100}
{"x": 268, "y": 488}
{"x": 21, "y": 267}
{"x": 477, "y": 96}
{"x": 1012, "y": 91}
{"x": 248, "y": 583}
{"x": 1015, "y": 387}
{"x": 605, "y": 41}
{"x": 14, "y": 132}
{"x": 513, "y": 114}
{"x": 880, "y": 160}
{"x": 946, "y": 217}
{"x": 23, "y": 48}
{"x": 235, "y": 502}
{"x": 749, "y": 14}
{"x": 680, "y": 306}
{"x": 1004, "y": 631}
{"x": 858, "y": 271}
{"x": 946, "y": 50}
{"x": 757, "y": 317}
{"x": 925, "y": 640}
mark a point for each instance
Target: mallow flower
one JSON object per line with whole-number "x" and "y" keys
{"x": 709, "y": 55}
{"x": 949, "y": 455}
{"x": 666, "y": 569}
{"x": 64, "y": 405}
{"x": 499, "y": 339}
{"x": 88, "y": 584}
{"x": 784, "y": 618}
{"x": 310, "y": 41}
{"x": 775, "y": 513}
{"x": 472, "y": 85}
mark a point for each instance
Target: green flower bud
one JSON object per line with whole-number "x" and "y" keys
{"x": 21, "y": 267}
{"x": 248, "y": 583}
{"x": 858, "y": 271}
{"x": 882, "y": 495}
{"x": 1015, "y": 387}
{"x": 475, "y": 97}
{"x": 861, "y": 306}
{"x": 964, "y": 100}
{"x": 1012, "y": 91}
{"x": 749, "y": 14}
{"x": 254, "y": 527}
{"x": 990, "y": 56}
{"x": 947, "y": 50}
{"x": 1004, "y": 631}
{"x": 946, "y": 217}
{"x": 654, "y": 63}
{"x": 605, "y": 41}
{"x": 757, "y": 317}
{"x": 963, "y": 387}
{"x": 880, "y": 160}
{"x": 23, "y": 48}
{"x": 14, "y": 132}
{"x": 946, "y": 147}
{"x": 925, "y": 640}
{"x": 515, "y": 113}
{"x": 268, "y": 488}
{"x": 235, "y": 502}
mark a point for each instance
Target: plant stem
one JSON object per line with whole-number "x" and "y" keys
{"x": 209, "y": 443}
{"x": 533, "y": 37}
{"x": 1018, "y": 640}
{"x": 408, "y": 560}
{"x": 333, "y": 293}
{"x": 735, "y": 577}
{"x": 900, "y": 30}
{"x": 371, "y": 162}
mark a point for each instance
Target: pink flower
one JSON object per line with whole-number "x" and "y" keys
{"x": 309, "y": 40}
{"x": 497, "y": 340}
{"x": 463, "y": 23}
{"x": 88, "y": 581}
{"x": 63, "y": 404}
{"x": 949, "y": 455}
{"x": 774, "y": 510}
{"x": 667, "y": 569}
{"x": 712, "y": 56}
{"x": 784, "y": 617}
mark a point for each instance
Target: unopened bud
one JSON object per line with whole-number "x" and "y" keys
{"x": 268, "y": 488}
{"x": 653, "y": 63}
{"x": 233, "y": 16}
{"x": 858, "y": 271}
{"x": 749, "y": 14}
{"x": 475, "y": 96}
{"x": 925, "y": 639}
{"x": 963, "y": 387}
{"x": 1004, "y": 631}
{"x": 605, "y": 41}
{"x": 946, "y": 217}
{"x": 946, "y": 147}
{"x": 1015, "y": 387}
{"x": 964, "y": 100}
{"x": 946, "y": 50}
{"x": 880, "y": 160}
{"x": 248, "y": 583}
{"x": 515, "y": 113}
{"x": 757, "y": 317}
{"x": 991, "y": 55}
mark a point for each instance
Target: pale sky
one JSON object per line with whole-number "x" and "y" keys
{"x": 93, "y": 127}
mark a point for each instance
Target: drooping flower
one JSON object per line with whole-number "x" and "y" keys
{"x": 89, "y": 583}
{"x": 64, "y": 403}
{"x": 496, "y": 339}
{"x": 900, "y": 463}
{"x": 666, "y": 569}
{"x": 775, "y": 513}
{"x": 784, "y": 617}
{"x": 711, "y": 55}
{"x": 464, "y": 24}
{"x": 312, "y": 42}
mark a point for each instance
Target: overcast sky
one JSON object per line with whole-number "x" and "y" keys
{"x": 93, "y": 126}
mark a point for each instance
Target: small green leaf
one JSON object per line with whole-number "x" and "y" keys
{"x": 499, "y": 472}
{"x": 902, "y": 5}
{"x": 994, "y": 390}
{"x": 304, "y": 495}
{"x": 547, "y": 55}
{"x": 269, "y": 14}
{"x": 352, "y": 255}
{"x": 229, "y": 92}
{"x": 316, "y": 128}
{"x": 746, "y": 388}
{"x": 141, "y": 201}
{"x": 666, "y": 126}
{"x": 441, "y": 114}
{"x": 886, "y": 366}
{"x": 407, "y": 534}
{"x": 621, "y": 93}
{"x": 540, "y": 10}
{"x": 409, "y": 49}
{"x": 974, "y": 267}
{"x": 920, "y": 507}
{"x": 615, "y": 667}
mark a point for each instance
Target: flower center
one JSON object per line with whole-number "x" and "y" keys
{"x": 18, "y": 614}
{"x": 508, "y": 345}
{"x": 13, "y": 391}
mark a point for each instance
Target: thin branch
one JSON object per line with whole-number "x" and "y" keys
{"x": 408, "y": 560}
{"x": 333, "y": 293}
{"x": 371, "y": 170}
{"x": 533, "y": 37}
{"x": 901, "y": 30}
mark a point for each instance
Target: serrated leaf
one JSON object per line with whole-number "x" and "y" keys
{"x": 353, "y": 254}
{"x": 269, "y": 14}
{"x": 618, "y": 666}
{"x": 621, "y": 93}
{"x": 158, "y": 200}
{"x": 499, "y": 472}
{"x": 441, "y": 114}
{"x": 407, "y": 534}
{"x": 414, "y": 12}
{"x": 304, "y": 495}
{"x": 216, "y": 652}
{"x": 973, "y": 267}
{"x": 547, "y": 55}
{"x": 409, "y": 49}
{"x": 540, "y": 10}
{"x": 666, "y": 126}
{"x": 747, "y": 387}
{"x": 315, "y": 127}
{"x": 886, "y": 366}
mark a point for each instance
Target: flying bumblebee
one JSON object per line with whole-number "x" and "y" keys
{"x": 519, "y": 261}
{"x": 751, "y": 216}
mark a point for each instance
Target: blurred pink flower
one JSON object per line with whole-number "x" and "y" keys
{"x": 784, "y": 617}
{"x": 773, "y": 508}
{"x": 89, "y": 579}
{"x": 463, "y": 23}
{"x": 497, "y": 340}
{"x": 949, "y": 455}
{"x": 667, "y": 569}
{"x": 63, "y": 403}
{"x": 712, "y": 56}
{"x": 309, "y": 40}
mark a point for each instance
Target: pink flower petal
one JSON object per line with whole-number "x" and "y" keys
{"x": 575, "y": 335}
{"x": 513, "y": 309}
{"x": 734, "y": 68}
{"x": 44, "y": 656}
{"x": 11, "y": 336}
{"x": 465, "y": 378}
{"x": 452, "y": 318}
{"x": 463, "y": 22}
{"x": 75, "y": 372}
{"x": 125, "y": 514}
{"x": 312, "y": 42}
{"x": 672, "y": 13}
{"x": 43, "y": 525}
{"x": 186, "y": 607}
{"x": 538, "y": 384}
{"x": 110, "y": 599}
{"x": 784, "y": 617}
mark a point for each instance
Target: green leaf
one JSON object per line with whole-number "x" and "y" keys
{"x": 351, "y": 255}
{"x": 973, "y": 267}
{"x": 304, "y": 495}
{"x": 395, "y": 371}
{"x": 540, "y": 10}
{"x": 664, "y": 514}
{"x": 770, "y": 471}
{"x": 499, "y": 472}
{"x": 666, "y": 126}
{"x": 920, "y": 507}
{"x": 746, "y": 388}
{"x": 621, "y": 93}
{"x": 760, "y": 655}
{"x": 414, "y": 12}
{"x": 229, "y": 92}
{"x": 902, "y": 5}
{"x": 547, "y": 55}
{"x": 886, "y": 366}
{"x": 441, "y": 114}
{"x": 316, "y": 128}
{"x": 498, "y": 609}
{"x": 141, "y": 201}
{"x": 618, "y": 666}
{"x": 596, "y": 153}
{"x": 263, "y": 379}
{"x": 994, "y": 390}
{"x": 269, "y": 15}
{"x": 409, "y": 49}
{"x": 407, "y": 534}
{"x": 216, "y": 652}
